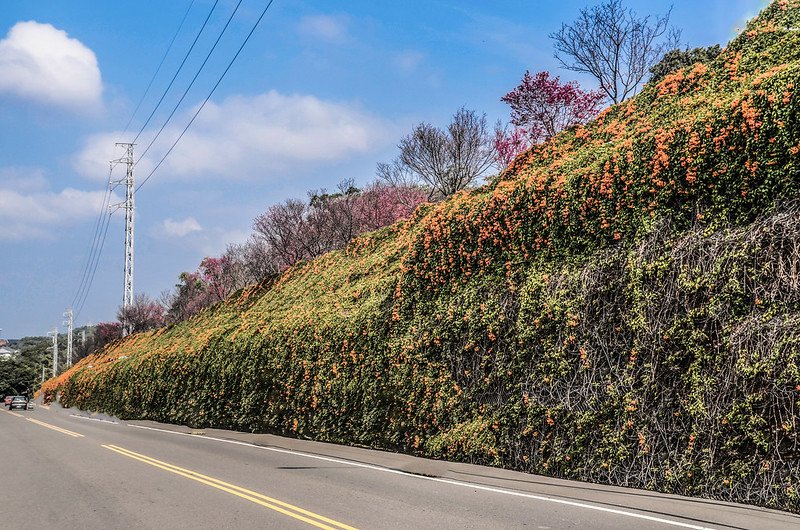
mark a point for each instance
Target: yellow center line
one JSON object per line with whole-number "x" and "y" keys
{"x": 268, "y": 502}
{"x": 59, "y": 429}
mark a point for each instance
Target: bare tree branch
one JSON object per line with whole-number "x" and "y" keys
{"x": 448, "y": 161}
{"x": 615, "y": 46}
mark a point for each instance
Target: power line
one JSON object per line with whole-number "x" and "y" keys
{"x": 221, "y": 77}
{"x": 101, "y": 224}
{"x": 101, "y": 227}
{"x": 82, "y": 301}
{"x": 158, "y": 68}
{"x": 94, "y": 242}
{"x": 196, "y": 75}
{"x": 185, "y": 57}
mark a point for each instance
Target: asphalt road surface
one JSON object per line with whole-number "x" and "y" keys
{"x": 61, "y": 468}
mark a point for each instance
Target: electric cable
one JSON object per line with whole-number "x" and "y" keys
{"x": 186, "y": 91}
{"x": 178, "y": 71}
{"x": 107, "y": 219}
{"x": 200, "y": 108}
{"x": 90, "y": 251}
{"x": 158, "y": 68}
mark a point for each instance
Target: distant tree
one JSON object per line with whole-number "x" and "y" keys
{"x": 143, "y": 314}
{"x": 258, "y": 258}
{"x": 106, "y": 332}
{"x": 381, "y": 205}
{"x": 237, "y": 271}
{"x": 293, "y": 230}
{"x": 543, "y": 106}
{"x": 676, "y": 59}
{"x": 222, "y": 276}
{"x": 614, "y": 45}
{"x": 18, "y": 376}
{"x": 190, "y": 296}
{"x": 448, "y": 160}
{"x": 279, "y": 229}
{"x": 509, "y": 144}
{"x": 330, "y": 222}
{"x": 395, "y": 175}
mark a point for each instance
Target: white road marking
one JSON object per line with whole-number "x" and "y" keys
{"x": 443, "y": 480}
{"x": 93, "y": 419}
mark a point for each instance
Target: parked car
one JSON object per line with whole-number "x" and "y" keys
{"x": 18, "y": 402}
{"x": 7, "y": 401}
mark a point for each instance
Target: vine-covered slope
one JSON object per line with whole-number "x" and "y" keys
{"x": 620, "y": 306}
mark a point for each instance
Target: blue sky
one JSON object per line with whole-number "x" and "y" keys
{"x": 322, "y": 92}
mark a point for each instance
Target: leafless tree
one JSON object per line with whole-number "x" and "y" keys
{"x": 252, "y": 261}
{"x": 145, "y": 313}
{"x": 402, "y": 182}
{"x": 279, "y": 227}
{"x": 259, "y": 258}
{"x": 447, "y": 160}
{"x": 614, "y": 45}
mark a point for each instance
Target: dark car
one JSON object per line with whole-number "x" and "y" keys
{"x": 18, "y": 402}
{"x": 7, "y": 401}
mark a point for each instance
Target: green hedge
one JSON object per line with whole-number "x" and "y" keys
{"x": 620, "y": 306}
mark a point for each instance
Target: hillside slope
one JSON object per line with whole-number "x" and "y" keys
{"x": 620, "y": 306}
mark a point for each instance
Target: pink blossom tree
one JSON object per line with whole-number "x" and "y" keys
{"x": 509, "y": 144}
{"x": 143, "y": 314}
{"x": 380, "y": 205}
{"x": 106, "y": 332}
{"x": 544, "y": 106}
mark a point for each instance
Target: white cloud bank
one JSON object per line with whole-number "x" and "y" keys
{"x": 328, "y": 28}
{"x": 173, "y": 228}
{"x": 29, "y": 209}
{"x": 265, "y": 136}
{"x": 41, "y": 63}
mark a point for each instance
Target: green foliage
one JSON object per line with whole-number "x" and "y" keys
{"x": 21, "y": 374}
{"x": 676, "y": 59}
{"x": 620, "y": 306}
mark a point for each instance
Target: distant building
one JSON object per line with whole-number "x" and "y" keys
{"x": 7, "y": 353}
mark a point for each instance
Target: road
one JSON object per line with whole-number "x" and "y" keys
{"x": 69, "y": 469}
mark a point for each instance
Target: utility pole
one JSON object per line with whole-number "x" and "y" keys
{"x": 69, "y": 316}
{"x": 54, "y": 333}
{"x": 128, "y": 206}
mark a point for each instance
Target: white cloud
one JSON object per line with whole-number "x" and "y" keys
{"x": 41, "y": 63}
{"x": 265, "y": 136}
{"x": 23, "y": 179}
{"x": 407, "y": 62}
{"x": 324, "y": 27}
{"x": 173, "y": 228}
{"x": 35, "y": 214}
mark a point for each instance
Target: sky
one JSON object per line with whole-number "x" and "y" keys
{"x": 322, "y": 92}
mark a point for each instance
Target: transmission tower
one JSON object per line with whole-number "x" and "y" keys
{"x": 128, "y": 206}
{"x": 54, "y": 333}
{"x": 68, "y": 322}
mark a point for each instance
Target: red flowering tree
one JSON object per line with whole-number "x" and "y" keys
{"x": 106, "y": 332}
{"x": 145, "y": 313}
{"x": 380, "y": 205}
{"x": 509, "y": 144}
{"x": 544, "y": 106}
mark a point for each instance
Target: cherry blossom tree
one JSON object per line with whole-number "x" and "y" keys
{"x": 544, "y": 106}
{"x": 143, "y": 314}
{"x": 509, "y": 144}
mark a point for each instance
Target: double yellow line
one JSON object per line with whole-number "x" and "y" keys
{"x": 59, "y": 429}
{"x": 268, "y": 502}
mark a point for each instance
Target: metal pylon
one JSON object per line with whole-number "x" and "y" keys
{"x": 128, "y": 206}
